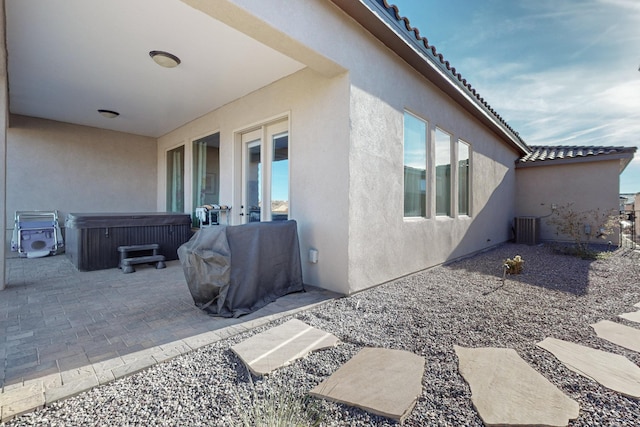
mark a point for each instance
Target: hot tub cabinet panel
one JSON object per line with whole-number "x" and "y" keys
{"x": 92, "y": 239}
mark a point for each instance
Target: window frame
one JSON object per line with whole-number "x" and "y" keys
{"x": 421, "y": 174}
{"x": 448, "y": 184}
{"x": 468, "y": 186}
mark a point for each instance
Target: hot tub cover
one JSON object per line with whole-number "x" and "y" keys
{"x": 125, "y": 219}
{"x": 235, "y": 270}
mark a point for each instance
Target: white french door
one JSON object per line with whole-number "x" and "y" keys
{"x": 265, "y": 173}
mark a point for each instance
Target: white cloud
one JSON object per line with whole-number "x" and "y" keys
{"x": 559, "y": 72}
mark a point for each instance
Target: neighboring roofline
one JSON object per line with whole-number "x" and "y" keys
{"x": 625, "y": 155}
{"x": 383, "y": 21}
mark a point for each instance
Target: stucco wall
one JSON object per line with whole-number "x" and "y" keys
{"x": 78, "y": 169}
{"x": 384, "y": 245}
{"x": 588, "y": 186}
{"x": 318, "y": 111}
{"x": 363, "y": 199}
{"x": 4, "y": 115}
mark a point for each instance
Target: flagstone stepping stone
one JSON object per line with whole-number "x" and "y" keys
{"x": 637, "y": 304}
{"x": 506, "y": 391}
{"x": 612, "y": 371}
{"x": 382, "y": 381}
{"x": 279, "y": 346}
{"x": 622, "y": 335}
{"x": 634, "y": 316}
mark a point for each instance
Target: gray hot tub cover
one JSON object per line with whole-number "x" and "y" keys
{"x": 235, "y": 270}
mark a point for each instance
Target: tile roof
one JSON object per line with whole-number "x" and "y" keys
{"x": 546, "y": 153}
{"x": 444, "y": 65}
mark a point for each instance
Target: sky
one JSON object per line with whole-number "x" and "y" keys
{"x": 560, "y": 72}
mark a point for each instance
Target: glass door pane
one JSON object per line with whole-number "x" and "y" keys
{"x": 175, "y": 179}
{"x": 206, "y": 172}
{"x": 265, "y": 173}
{"x": 253, "y": 181}
{"x": 280, "y": 178}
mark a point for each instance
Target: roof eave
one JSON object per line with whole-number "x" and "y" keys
{"x": 624, "y": 157}
{"x": 373, "y": 16}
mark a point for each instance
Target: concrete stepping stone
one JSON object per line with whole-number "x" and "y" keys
{"x": 622, "y": 335}
{"x": 279, "y": 346}
{"x": 612, "y": 371}
{"x": 634, "y": 316}
{"x": 506, "y": 391}
{"x": 382, "y": 381}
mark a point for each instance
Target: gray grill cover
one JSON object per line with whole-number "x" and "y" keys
{"x": 235, "y": 270}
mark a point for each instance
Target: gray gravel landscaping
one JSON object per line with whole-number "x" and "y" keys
{"x": 464, "y": 303}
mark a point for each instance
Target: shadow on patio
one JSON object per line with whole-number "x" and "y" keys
{"x": 60, "y": 324}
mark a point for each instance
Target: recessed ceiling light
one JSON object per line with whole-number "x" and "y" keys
{"x": 109, "y": 114}
{"x": 164, "y": 59}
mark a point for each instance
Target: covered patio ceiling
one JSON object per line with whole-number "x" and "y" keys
{"x": 69, "y": 58}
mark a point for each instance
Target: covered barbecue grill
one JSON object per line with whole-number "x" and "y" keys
{"x": 235, "y": 270}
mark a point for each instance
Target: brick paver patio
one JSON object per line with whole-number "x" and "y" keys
{"x": 64, "y": 331}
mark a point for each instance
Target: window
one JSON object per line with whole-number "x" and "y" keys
{"x": 443, "y": 173}
{"x": 449, "y": 178}
{"x": 280, "y": 177}
{"x": 206, "y": 171}
{"x": 265, "y": 173}
{"x": 415, "y": 166}
{"x": 463, "y": 178}
{"x": 175, "y": 179}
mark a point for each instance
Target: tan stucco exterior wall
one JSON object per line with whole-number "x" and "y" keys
{"x": 383, "y": 244}
{"x": 4, "y": 116}
{"x": 587, "y": 185}
{"x": 75, "y": 168}
{"x": 317, "y": 108}
{"x": 347, "y": 173}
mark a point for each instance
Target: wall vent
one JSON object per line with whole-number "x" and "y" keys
{"x": 527, "y": 230}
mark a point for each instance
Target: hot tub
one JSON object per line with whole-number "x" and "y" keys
{"x": 92, "y": 239}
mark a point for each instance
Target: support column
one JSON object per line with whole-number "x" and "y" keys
{"x": 4, "y": 120}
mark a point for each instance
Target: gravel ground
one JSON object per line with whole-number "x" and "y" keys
{"x": 464, "y": 303}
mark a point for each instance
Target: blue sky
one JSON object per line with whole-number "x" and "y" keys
{"x": 560, "y": 72}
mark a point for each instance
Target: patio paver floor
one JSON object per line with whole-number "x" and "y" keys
{"x": 64, "y": 331}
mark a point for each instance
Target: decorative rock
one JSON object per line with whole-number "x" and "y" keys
{"x": 382, "y": 381}
{"x": 505, "y": 390}
{"x": 279, "y": 346}
{"x": 622, "y": 335}
{"x": 613, "y": 371}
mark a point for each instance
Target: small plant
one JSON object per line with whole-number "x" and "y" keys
{"x": 513, "y": 266}
{"x": 279, "y": 408}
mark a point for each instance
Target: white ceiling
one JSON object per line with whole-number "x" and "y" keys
{"x": 69, "y": 58}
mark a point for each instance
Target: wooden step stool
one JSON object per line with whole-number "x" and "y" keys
{"x": 127, "y": 262}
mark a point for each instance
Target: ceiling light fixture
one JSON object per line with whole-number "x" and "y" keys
{"x": 164, "y": 59}
{"x": 109, "y": 114}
